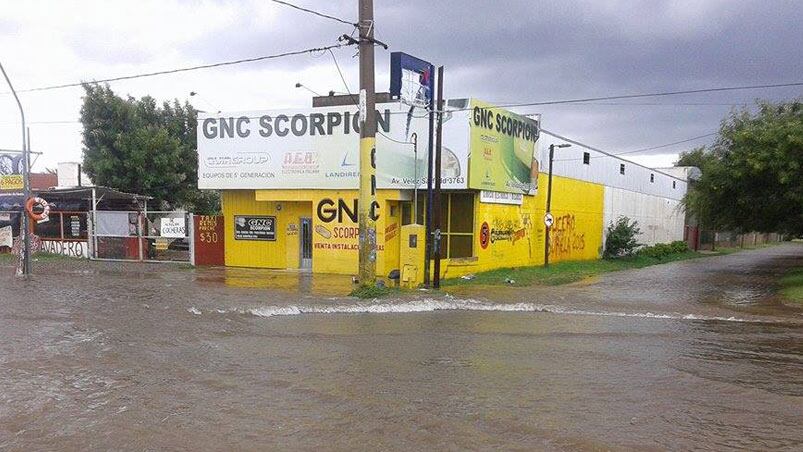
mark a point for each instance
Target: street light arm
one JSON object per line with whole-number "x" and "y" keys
{"x": 25, "y": 268}
{"x": 19, "y": 104}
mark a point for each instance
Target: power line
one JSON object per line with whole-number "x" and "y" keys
{"x": 186, "y": 69}
{"x": 657, "y": 94}
{"x": 340, "y": 72}
{"x": 328, "y": 48}
{"x": 668, "y": 144}
{"x": 351, "y": 96}
{"x": 327, "y": 16}
{"x": 662, "y": 104}
{"x": 616, "y": 155}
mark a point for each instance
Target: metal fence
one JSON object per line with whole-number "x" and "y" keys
{"x": 711, "y": 240}
{"x": 153, "y": 236}
{"x": 65, "y": 233}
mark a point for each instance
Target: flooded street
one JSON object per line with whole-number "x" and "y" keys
{"x": 695, "y": 354}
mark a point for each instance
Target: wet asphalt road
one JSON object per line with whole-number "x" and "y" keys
{"x": 699, "y": 354}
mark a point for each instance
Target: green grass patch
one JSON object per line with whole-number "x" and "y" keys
{"x": 374, "y": 291}
{"x": 792, "y": 285}
{"x": 46, "y": 257}
{"x": 567, "y": 272}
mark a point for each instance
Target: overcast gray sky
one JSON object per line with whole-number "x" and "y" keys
{"x": 499, "y": 51}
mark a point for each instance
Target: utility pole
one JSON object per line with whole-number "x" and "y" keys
{"x": 368, "y": 209}
{"x": 436, "y": 277}
{"x": 26, "y": 250}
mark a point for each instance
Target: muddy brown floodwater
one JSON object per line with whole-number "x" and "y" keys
{"x": 699, "y": 354}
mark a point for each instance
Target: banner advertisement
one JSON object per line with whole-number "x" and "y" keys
{"x": 254, "y": 227}
{"x": 173, "y": 227}
{"x": 503, "y": 146}
{"x": 319, "y": 148}
{"x": 11, "y": 172}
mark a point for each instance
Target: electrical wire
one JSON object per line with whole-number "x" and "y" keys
{"x": 346, "y": 85}
{"x": 616, "y": 155}
{"x": 320, "y": 14}
{"x": 661, "y": 104}
{"x": 186, "y": 69}
{"x": 351, "y": 96}
{"x": 627, "y": 96}
{"x": 657, "y": 94}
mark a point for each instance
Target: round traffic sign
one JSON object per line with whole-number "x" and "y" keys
{"x": 549, "y": 219}
{"x": 485, "y": 235}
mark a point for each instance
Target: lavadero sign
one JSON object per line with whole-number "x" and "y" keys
{"x": 502, "y": 147}
{"x": 320, "y": 148}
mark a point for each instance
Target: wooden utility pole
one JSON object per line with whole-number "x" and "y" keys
{"x": 368, "y": 210}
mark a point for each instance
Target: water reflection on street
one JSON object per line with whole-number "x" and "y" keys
{"x": 696, "y": 354}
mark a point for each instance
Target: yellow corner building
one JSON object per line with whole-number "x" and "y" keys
{"x": 289, "y": 197}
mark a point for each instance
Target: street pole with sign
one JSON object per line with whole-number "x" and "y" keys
{"x": 548, "y": 218}
{"x": 25, "y": 268}
{"x": 436, "y": 239}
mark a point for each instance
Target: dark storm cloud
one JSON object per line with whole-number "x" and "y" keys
{"x": 513, "y": 51}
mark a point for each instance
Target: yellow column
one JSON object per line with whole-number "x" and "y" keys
{"x": 368, "y": 210}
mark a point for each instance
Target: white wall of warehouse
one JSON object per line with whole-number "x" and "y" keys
{"x": 604, "y": 169}
{"x": 649, "y": 196}
{"x": 661, "y": 220}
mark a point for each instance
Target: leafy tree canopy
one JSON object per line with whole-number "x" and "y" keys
{"x": 138, "y": 146}
{"x": 752, "y": 176}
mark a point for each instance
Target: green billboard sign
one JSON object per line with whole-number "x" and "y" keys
{"x": 502, "y": 146}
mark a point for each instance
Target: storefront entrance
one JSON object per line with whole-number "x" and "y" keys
{"x": 305, "y": 245}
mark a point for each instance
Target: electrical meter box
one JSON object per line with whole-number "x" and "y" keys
{"x": 411, "y": 255}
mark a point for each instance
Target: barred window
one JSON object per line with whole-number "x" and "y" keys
{"x": 457, "y": 222}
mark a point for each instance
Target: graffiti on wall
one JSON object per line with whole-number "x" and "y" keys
{"x": 506, "y": 230}
{"x": 564, "y": 238}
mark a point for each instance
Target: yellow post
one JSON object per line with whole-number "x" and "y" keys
{"x": 368, "y": 210}
{"x": 368, "y": 207}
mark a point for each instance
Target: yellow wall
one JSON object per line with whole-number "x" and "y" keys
{"x": 578, "y": 210}
{"x": 334, "y": 243}
{"x": 281, "y": 253}
{"x": 517, "y": 232}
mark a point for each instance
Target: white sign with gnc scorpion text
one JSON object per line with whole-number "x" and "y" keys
{"x": 320, "y": 148}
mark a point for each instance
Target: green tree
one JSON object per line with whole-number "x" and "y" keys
{"x": 699, "y": 157}
{"x": 137, "y": 146}
{"x": 752, "y": 176}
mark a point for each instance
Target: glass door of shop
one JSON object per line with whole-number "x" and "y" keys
{"x": 306, "y": 243}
